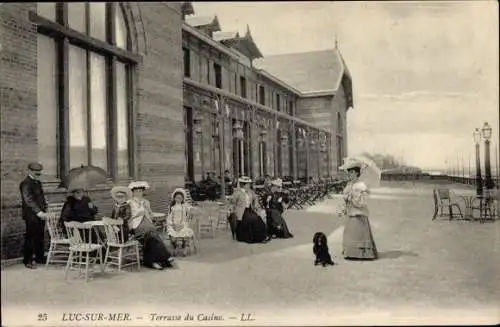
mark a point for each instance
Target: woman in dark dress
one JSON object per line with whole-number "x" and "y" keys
{"x": 275, "y": 203}
{"x": 155, "y": 253}
{"x": 78, "y": 207}
{"x": 250, "y": 227}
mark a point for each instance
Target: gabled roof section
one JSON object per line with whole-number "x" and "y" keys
{"x": 222, "y": 36}
{"x": 315, "y": 72}
{"x": 209, "y": 22}
{"x": 246, "y": 45}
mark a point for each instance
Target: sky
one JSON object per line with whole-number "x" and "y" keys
{"x": 425, "y": 74}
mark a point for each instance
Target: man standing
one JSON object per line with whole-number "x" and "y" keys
{"x": 34, "y": 208}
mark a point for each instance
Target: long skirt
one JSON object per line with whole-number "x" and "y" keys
{"x": 358, "y": 242}
{"x": 251, "y": 228}
{"x": 153, "y": 248}
{"x": 276, "y": 224}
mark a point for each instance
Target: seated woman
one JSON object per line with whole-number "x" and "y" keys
{"x": 78, "y": 207}
{"x": 140, "y": 223}
{"x": 275, "y": 203}
{"x": 250, "y": 228}
{"x": 121, "y": 207}
{"x": 177, "y": 221}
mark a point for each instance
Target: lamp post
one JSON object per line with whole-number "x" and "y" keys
{"x": 487, "y": 162}
{"x": 479, "y": 179}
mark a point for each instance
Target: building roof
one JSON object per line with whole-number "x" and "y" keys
{"x": 310, "y": 72}
{"x": 200, "y": 21}
{"x": 245, "y": 45}
{"x": 221, "y": 36}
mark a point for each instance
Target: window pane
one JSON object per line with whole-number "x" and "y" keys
{"x": 47, "y": 10}
{"x": 77, "y": 107}
{"x": 98, "y": 20}
{"x": 98, "y": 111}
{"x": 47, "y": 105}
{"x": 76, "y": 16}
{"x": 122, "y": 121}
{"x": 120, "y": 28}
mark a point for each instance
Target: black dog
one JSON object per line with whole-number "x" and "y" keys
{"x": 320, "y": 250}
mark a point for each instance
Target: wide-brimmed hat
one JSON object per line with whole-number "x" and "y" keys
{"x": 244, "y": 180}
{"x": 179, "y": 190}
{"x": 75, "y": 187}
{"x": 277, "y": 182}
{"x": 120, "y": 189}
{"x": 138, "y": 184}
{"x": 35, "y": 166}
{"x": 351, "y": 164}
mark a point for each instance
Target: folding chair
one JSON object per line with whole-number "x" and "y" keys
{"x": 59, "y": 244}
{"x": 115, "y": 250}
{"x": 79, "y": 236}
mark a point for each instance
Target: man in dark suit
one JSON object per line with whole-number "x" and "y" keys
{"x": 34, "y": 207}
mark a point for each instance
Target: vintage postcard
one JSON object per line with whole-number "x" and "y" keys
{"x": 316, "y": 163}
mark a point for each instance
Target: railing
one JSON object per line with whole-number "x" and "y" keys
{"x": 468, "y": 180}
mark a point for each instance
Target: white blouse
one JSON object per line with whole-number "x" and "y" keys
{"x": 140, "y": 209}
{"x": 356, "y": 199}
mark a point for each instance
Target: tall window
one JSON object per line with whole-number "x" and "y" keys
{"x": 262, "y": 95}
{"x": 187, "y": 62}
{"x": 278, "y": 102}
{"x": 243, "y": 87}
{"x": 290, "y": 108}
{"x": 84, "y": 81}
{"x": 218, "y": 76}
{"x": 339, "y": 123}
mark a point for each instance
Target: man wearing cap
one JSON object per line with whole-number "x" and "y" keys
{"x": 34, "y": 207}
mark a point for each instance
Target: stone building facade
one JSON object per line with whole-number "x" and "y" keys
{"x": 148, "y": 91}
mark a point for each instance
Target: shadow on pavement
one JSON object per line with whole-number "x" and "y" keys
{"x": 396, "y": 254}
{"x": 302, "y": 224}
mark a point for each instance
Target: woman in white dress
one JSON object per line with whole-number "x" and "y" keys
{"x": 155, "y": 253}
{"x": 358, "y": 242}
{"x": 177, "y": 220}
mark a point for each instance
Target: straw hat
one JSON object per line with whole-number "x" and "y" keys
{"x": 179, "y": 190}
{"x": 138, "y": 184}
{"x": 73, "y": 187}
{"x": 277, "y": 182}
{"x": 244, "y": 180}
{"x": 120, "y": 189}
{"x": 351, "y": 164}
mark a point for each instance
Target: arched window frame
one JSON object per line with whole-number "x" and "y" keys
{"x": 60, "y": 31}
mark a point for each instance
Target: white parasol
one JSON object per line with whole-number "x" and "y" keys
{"x": 370, "y": 172}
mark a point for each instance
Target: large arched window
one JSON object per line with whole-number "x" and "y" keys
{"x": 85, "y": 78}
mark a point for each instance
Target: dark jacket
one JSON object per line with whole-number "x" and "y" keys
{"x": 272, "y": 201}
{"x": 78, "y": 210}
{"x": 122, "y": 211}
{"x": 33, "y": 198}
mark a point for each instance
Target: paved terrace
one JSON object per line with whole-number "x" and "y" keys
{"x": 429, "y": 273}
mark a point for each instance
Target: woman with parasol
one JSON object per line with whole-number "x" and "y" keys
{"x": 358, "y": 242}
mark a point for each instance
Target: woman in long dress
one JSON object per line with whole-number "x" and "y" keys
{"x": 155, "y": 253}
{"x": 358, "y": 242}
{"x": 177, "y": 221}
{"x": 250, "y": 227}
{"x": 276, "y": 203}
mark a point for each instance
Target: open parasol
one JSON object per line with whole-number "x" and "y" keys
{"x": 370, "y": 172}
{"x": 84, "y": 176}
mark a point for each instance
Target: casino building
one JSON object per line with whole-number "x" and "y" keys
{"x": 153, "y": 92}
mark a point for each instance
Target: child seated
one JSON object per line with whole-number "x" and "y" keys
{"x": 177, "y": 221}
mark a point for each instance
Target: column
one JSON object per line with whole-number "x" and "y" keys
{"x": 294, "y": 151}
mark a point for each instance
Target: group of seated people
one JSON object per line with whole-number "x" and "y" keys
{"x": 252, "y": 220}
{"x": 257, "y": 219}
{"x": 135, "y": 211}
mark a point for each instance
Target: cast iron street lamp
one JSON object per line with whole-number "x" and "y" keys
{"x": 487, "y": 161}
{"x": 479, "y": 180}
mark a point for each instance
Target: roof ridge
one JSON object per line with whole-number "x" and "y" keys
{"x": 303, "y": 52}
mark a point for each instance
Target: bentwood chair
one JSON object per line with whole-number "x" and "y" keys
{"x": 59, "y": 244}
{"x": 443, "y": 200}
{"x": 116, "y": 248}
{"x": 80, "y": 247}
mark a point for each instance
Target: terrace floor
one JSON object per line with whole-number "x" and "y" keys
{"x": 429, "y": 273}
